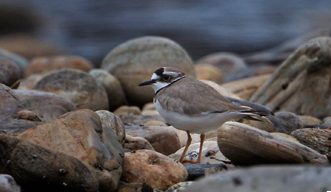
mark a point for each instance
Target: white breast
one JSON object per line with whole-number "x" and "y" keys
{"x": 196, "y": 124}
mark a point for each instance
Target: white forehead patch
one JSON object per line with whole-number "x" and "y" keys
{"x": 155, "y": 77}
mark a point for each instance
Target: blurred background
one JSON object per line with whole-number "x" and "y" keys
{"x": 92, "y": 28}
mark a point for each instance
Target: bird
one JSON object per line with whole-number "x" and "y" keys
{"x": 188, "y": 104}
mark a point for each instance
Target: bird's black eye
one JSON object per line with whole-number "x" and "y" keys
{"x": 166, "y": 77}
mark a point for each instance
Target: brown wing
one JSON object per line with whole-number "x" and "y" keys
{"x": 192, "y": 97}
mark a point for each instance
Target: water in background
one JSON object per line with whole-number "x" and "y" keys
{"x": 92, "y": 28}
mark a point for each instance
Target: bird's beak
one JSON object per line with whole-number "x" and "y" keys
{"x": 147, "y": 82}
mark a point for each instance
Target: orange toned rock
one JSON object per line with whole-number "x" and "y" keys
{"x": 265, "y": 70}
{"x": 155, "y": 123}
{"x": 149, "y": 106}
{"x": 209, "y": 72}
{"x": 80, "y": 134}
{"x": 264, "y": 124}
{"x": 306, "y": 119}
{"x": 245, "y": 88}
{"x": 163, "y": 139}
{"x": 116, "y": 96}
{"x": 155, "y": 169}
{"x": 285, "y": 135}
{"x": 113, "y": 122}
{"x": 127, "y": 110}
{"x": 137, "y": 143}
{"x": 30, "y": 82}
{"x": 136, "y": 60}
{"x": 48, "y": 64}
{"x": 219, "y": 88}
{"x": 81, "y": 88}
{"x": 28, "y": 115}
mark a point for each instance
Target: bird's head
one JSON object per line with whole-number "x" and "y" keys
{"x": 163, "y": 77}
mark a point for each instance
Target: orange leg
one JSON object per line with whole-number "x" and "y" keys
{"x": 188, "y": 143}
{"x": 202, "y": 139}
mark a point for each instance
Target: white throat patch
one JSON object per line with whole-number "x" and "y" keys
{"x": 159, "y": 85}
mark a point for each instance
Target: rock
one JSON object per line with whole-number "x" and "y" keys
{"x": 149, "y": 106}
{"x": 10, "y": 105}
{"x": 285, "y": 122}
{"x": 137, "y": 143}
{"x": 265, "y": 70}
{"x": 134, "y": 187}
{"x": 22, "y": 62}
{"x": 223, "y": 91}
{"x": 182, "y": 136}
{"x": 179, "y": 186}
{"x": 271, "y": 178}
{"x": 246, "y": 145}
{"x": 264, "y": 124}
{"x": 209, "y": 72}
{"x": 155, "y": 123}
{"x": 80, "y": 134}
{"x": 127, "y": 110}
{"x": 136, "y": 60}
{"x": 163, "y": 139}
{"x": 10, "y": 70}
{"x": 198, "y": 170}
{"x": 317, "y": 139}
{"x": 7, "y": 144}
{"x": 138, "y": 119}
{"x": 110, "y": 120}
{"x": 210, "y": 153}
{"x": 153, "y": 168}
{"x": 81, "y": 88}
{"x": 8, "y": 184}
{"x": 149, "y": 109}
{"x": 326, "y": 121}
{"x": 306, "y": 119}
{"x": 115, "y": 93}
{"x": 28, "y": 115}
{"x": 48, "y": 64}
{"x": 150, "y": 112}
{"x": 46, "y": 106}
{"x": 27, "y": 46}
{"x": 30, "y": 82}
{"x": 229, "y": 63}
{"x": 293, "y": 86}
{"x": 285, "y": 135}
{"x": 245, "y": 88}
{"x": 40, "y": 169}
